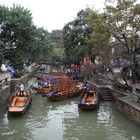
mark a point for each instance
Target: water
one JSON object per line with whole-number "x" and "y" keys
{"x": 46, "y": 120}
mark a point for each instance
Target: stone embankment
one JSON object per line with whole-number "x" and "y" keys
{"x": 126, "y": 102}
{"x": 5, "y": 80}
{"x": 8, "y": 84}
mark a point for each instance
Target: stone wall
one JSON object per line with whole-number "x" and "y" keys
{"x": 130, "y": 110}
{"x": 15, "y": 82}
{"x": 7, "y": 88}
{"x": 124, "y": 103}
{"x": 4, "y": 89}
{"x": 4, "y": 94}
{"x": 24, "y": 79}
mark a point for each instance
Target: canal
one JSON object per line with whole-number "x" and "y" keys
{"x": 46, "y": 120}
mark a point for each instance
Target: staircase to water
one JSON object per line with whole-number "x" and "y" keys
{"x": 105, "y": 94}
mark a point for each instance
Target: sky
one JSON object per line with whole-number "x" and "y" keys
{"x": 54, "y": 14}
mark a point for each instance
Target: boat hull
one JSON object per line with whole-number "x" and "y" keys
{"x": 19, "y": 104}
{"x": 88, "y": 107}
{"x": 63, "y": 96}
{"x": 88, "y": 101}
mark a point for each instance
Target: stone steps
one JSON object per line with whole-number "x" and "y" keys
{"x": 105, "y": 94}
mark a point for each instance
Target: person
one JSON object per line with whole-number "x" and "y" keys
{"x": 85, "y": 87}
{"x": 88, "y": 87}
{"x": 21, "y": 88}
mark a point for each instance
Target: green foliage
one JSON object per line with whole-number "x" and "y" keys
{"x": 16, "y": 32}
{"x": 96, "y": 33}
{"x": 57, "y": 38}
{"x": 2, "y": 50}
{"x": 20, "y": 40}
{"x": 41, "y": 45}
{"x": 16, "y": 59}
{"x": 123, "y": 21}
{"x": 75, "y": 34}
{"x": 87, "y": 34}
{"x": 100, "y": 37}
{"x": 58, "y": 55}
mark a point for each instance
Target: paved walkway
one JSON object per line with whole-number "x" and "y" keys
{"x": 4, "y": 75}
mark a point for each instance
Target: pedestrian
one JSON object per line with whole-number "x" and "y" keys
{"x": 21, "y": 88}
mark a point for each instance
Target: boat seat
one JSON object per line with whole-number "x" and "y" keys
{"x": 18, "y": 93}
{"x": 13, "y": 102}
{"x": 21, "y": 101}
{"x": 24, "y": 94}
{"x": 89, "y": 98}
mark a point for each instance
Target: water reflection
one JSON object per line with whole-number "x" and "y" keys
{"x": 5, "y": 120}
{"x": 46, "y": 120}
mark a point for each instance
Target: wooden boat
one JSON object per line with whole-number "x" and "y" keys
{"x": 64, "y": 89}
{"x": 89, "y": 100}
{"x": 61, "y": 86}
{"x": 19, "y": 103}
{"x": 42, "y": 90}
{"x": 58, "y": 95}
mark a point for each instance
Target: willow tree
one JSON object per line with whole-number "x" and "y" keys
{"x": 123, "y": 18}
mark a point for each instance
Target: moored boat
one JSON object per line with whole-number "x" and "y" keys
{"x": 89, "y": 100}
{"x": 58, "y": 86}
{"x": 59, "y": 95}
{"x": 19, "y": 103}
{"x": 42, "y": 90}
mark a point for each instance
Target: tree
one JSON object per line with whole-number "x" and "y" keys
{"x": 16, "y": 32}
{"x": 2, "y": 50}
{"x": 41, "y": 45}
{"x": 57, "y": 38}
{"x": 58, "y": 55}
{"x": 3, "y": 20}
{"x": 74, "y": 34}
{"x": 99, "y": 38}
{"x": 123, "y": 20}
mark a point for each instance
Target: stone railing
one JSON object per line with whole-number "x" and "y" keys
{"x": 4, "y": 81}
{"x": 4, "y": 88}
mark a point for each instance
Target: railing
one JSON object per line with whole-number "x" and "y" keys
{"x": 4, "y": 81}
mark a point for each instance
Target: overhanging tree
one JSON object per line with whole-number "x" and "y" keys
{"x": 123, "y": 21}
